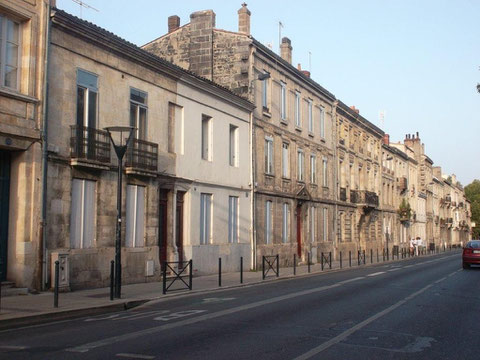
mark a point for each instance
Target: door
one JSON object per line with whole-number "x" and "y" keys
{"x": 179, "y": 225}
{"x": 299, "y": 231}
{"x": 4, "y": 209}
{"x": 162, "y": 225}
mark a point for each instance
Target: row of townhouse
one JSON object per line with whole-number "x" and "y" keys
{"x": 236, "y": 153}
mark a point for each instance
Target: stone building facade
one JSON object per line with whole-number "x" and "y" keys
{"x": 360, "y": 211}
{"x": 188, "y": 130}
{"x": 23, "y": 28}
{"x": 293, "y": 134}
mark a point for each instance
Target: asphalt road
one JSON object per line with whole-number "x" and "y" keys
{"x": 421, "y": 308}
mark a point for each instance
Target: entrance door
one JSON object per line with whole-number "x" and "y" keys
{"x": 162, "y": 225}
{"x": 179, "y": 225}
{"x": 299, "y": 231}
{"x": 4, "y": 209}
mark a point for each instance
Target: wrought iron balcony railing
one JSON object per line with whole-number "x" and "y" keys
{"x": 364, "y": 197}
{"x": 89, "y": 144}
{"x": 142, "y": 155}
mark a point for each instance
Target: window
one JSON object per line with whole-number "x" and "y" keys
{"x": 268, "y": 222}
{"x": 310, "y": 116}
{"x": 298, "y": 121}
{"x": 301, "y": 165}
{"x": 283, "y": 101}
{"x": 285, "y": 161}
{"x": 175, "y": 129}
{"x": 9, "y": 52}
{"x": 268, "y": 155}
{"x": 233, "y": 219}
{"x": 83, "y": 214}
{"x": 324, "y": 172}
{"x": 135, "y": 217}
{"x": 322, "y": 122}
{"x": 205, "y": 218}
{"x": 138, "y": 113}
{"x": 313, "y": 220}
{"x": 285, "y": 223}
{"x": 87, "y": 92}
{"x": 265, "y": 93}
{"x": 206, "y": 138}
{"x": 325, "y": 224}
{"x": 233, "y": 146}
{"x": 313, "y": 169}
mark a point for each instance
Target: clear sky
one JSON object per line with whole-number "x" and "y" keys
{"x": 416, "y": 60}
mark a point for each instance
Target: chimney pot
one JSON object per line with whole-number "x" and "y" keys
{"x": 306, "y": 73}
{"x": 173, "y": 23}
{"x": 244, "y": 19}
{"x": 386, "y": 139}
{"x": 286, "y": 50}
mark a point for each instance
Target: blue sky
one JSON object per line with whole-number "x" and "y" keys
{"x": 416, "y": 60}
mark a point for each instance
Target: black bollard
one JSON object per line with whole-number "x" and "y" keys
{"x": 241, "y": 270}
{"x": 350, "y": 258}
{"x": 309, "y": 262}
{"x": 340, "y": 259}
{"x": 278, "y": 266}
{"x": 330, "y": 259}
{"x": 322, "y": 261}
{"x": 219, "y": 272}
{"x": 294, "y": 264}
{"x": 112, "y": 278}
{"x": 57, "y": 278}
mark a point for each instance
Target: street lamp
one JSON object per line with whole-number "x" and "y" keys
{"x": 123, "y": 134}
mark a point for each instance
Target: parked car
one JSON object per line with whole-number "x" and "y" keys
{"x": 471, "y": 254}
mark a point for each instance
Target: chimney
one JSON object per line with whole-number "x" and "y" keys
{"x": 286, "y": 50}
{"x": 244, "y": 20}
{"x": 202, "y": 20}
{"x": 173, "y": 23}
{"x": 304, "y": 72}
{"x": 386, "y": 139}
{"x": 355, "y": 109}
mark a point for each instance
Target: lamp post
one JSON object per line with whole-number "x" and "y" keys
{"x": 124, "y": 135}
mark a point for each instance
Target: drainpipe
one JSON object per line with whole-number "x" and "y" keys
{"x": 253, "y": 233}
{"x": 335, "y": 173}
{"x": 43, "y": 224}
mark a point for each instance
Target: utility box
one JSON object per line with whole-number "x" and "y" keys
{"x": 149, "y": 267}
{"x": 63, "y": 273}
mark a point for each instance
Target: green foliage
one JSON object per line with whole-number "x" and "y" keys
{"x": 404, "y": 210}
{"x": 472, "y": 192}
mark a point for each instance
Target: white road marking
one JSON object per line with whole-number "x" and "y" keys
{"x": 135, "y": 356}
{"x": 361, "y": 325}
{"x": 394, "y": 269}
{"x": 216, "y": 300}
{"x": 377, "y": 273}
{"x": 351, "y": 280}
{"x": 12, "y": 347}
{"x": 178, "y": 315}
{"x": 120, "y": 338}
{"x": 142, "y": 315}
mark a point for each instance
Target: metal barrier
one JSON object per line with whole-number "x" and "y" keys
{"x": 271, "y": 261}
{"x": 57, "y": 278}
{"x": 327, "y": 260}
{"x": 177, "y": 274}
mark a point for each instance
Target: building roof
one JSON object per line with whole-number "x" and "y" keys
{"x": 125, "y": 48}
{"x": 362, "y": 121}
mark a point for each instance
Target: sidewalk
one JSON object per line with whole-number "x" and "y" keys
{"x": 32, "y": 309}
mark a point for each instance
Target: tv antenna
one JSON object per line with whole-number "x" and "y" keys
{"x": 84, "y": 5}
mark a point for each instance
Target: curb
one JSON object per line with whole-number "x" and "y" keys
{"x": 50, "y": 317}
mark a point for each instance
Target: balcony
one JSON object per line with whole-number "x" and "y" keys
{"x": 402, "y": 183}
{"x": 364, "y": 198}
{"x": 343, "y": 194}
{"x": 341, "y": 141}
{"x": 89, "y": 147}
{"x": 142, "y": 158}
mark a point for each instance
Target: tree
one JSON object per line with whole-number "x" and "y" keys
{"x": 472, "y": 192}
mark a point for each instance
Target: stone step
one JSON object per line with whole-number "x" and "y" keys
{"x": 9, "y": 289}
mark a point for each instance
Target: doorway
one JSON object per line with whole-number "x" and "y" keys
{"x": 179, "y": 225}
{"x": 299, "y": 231}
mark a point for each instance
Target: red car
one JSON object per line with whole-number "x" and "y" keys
{"x": 471, "y": 254}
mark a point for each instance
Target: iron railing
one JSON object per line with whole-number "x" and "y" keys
{"x": 368, "y": 198}
{"x": 142, "y": 154}
{"x": 89, "y": 143}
